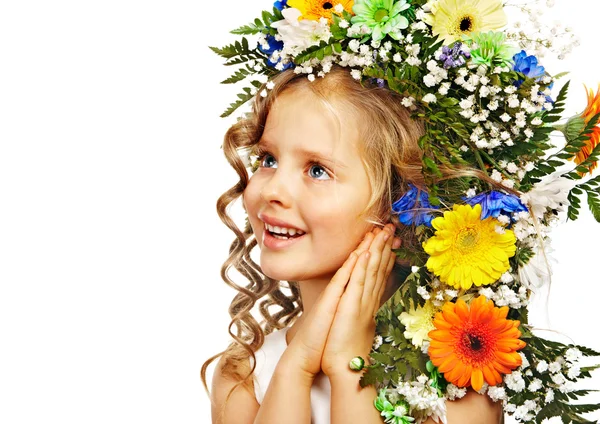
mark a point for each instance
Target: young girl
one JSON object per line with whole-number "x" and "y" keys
{"x": 333, "y": 156}
{"x": 401, "y": 198}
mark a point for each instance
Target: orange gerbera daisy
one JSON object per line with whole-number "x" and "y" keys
{"x": 473, "y": 343}
{"x": 592, "y": 109}
{"x": 317, "y": 9}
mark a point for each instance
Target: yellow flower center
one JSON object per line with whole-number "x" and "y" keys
{"x": 327, "y": 5}
{"x": 467, "y": 239}
{"x": 381, "y": 15}
{"x": 464, "y": 24}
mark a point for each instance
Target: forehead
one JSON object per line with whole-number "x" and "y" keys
{"x": 299, "y": 119}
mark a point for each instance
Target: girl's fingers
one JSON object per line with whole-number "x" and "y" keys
{"x": 342, "y": 276}
{"x": 320, "y": 318}
{"x": 385, "y": 257}
{"x": 376, "y": 249}
{"x": 352, "y": 296}
{"x": 377, "y": 303}
{"x": 328, "y": 300}
{"x": 365, "y": 243}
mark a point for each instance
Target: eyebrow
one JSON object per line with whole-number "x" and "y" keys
{"x": 313, "y": 155}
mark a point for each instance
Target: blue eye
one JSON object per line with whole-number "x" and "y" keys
{"x": 268, "y": 161}
{"x": 318, "y": 172}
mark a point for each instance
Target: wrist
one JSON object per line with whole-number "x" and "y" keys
{"x": 339, "y": 365}
{"x": 340, "y": 369}
{"x": 293, "y": 373}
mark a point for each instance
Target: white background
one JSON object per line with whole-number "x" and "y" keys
{"x": 110, "y": 246}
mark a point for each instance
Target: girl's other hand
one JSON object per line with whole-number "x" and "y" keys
{"x": 353, "y": 327}
{"x": 306, "y": 348}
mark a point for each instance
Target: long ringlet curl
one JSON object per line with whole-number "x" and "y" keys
{"x": 392, "y": 158}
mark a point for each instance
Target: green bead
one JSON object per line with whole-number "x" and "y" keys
{"x": 356, "y": 364}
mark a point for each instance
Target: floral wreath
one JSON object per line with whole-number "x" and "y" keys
{"x": 460, "y": 319}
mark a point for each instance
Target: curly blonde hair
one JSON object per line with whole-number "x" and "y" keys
{"x": 392, "y": 159}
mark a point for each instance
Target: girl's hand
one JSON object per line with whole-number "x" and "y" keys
{"x": 306, "y": 348}
{"x": 353, "y": 327}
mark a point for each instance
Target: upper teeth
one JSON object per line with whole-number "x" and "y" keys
{"x": 283, "y": 230}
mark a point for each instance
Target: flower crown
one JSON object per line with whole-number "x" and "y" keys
{"x": 460, "y": 318}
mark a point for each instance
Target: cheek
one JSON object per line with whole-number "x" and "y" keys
{"x": 341, "y": 230}
{"x": 251, "y": 202}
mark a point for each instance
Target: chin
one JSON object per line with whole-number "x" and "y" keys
{"x": 283, "y": 270}
{"x": 280, "y": 270}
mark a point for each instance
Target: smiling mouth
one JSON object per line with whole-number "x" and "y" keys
{"x": 283, "y": 233}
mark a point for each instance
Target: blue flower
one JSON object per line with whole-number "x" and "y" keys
{"x": 528, "y": 66}
{"x": 409, "y": 206}
{"x": 273, "y": 46}
{"x": 280, "y": 4}
{"x": 495, "y": 203}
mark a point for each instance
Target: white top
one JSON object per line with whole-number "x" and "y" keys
{"x": 267, "y": 358}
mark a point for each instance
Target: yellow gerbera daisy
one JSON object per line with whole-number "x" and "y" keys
{"x": 317, "y": 9}
{"x": 466, "y": 250}
{"x": 451, "y": 19}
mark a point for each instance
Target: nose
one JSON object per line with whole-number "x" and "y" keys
{"x": 276, "y": 189}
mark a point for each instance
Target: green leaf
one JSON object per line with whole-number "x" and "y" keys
{"x": 243, "y": 98}
{"x": 249, "y": 29}
{"x": 239, "y": 75}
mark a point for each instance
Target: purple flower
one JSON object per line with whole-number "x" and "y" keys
{"x": 280, "y": 4}
{"x": 454, "y": 56}
{"x": 274, "y": 45}
{"x": 413, "y": 209}
{"x": 495, "y": 203}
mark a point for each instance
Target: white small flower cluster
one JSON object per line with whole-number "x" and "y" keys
{"x": 441, "y": 296}
{"x": 423, "y": 399}
{"x": 506, "y": 296}
{"x": 422, "y": 291}
{"x": 377, "y": 342}
{"x": 454, "y": 392}
{"x": 560, "y": 369}
{"x": 497, "y": 393}
{"x": 518, "y": 169}
{"x": 515, "y": 382}
{"x": 561, "y": 372}
{"x": 524, "y": 227}
{"x": 525, "y": 412}
{"x": 487, "y": 98}
{"x": 436, "y": 74}
{"x": 531, "y": 32}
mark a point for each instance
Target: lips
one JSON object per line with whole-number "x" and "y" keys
{"x": 273, "y": 242}
{"x": 275, "y": 222}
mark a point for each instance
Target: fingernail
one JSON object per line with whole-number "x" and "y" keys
{"x": 386, "y": 236}
{"x": 396, "y": 243}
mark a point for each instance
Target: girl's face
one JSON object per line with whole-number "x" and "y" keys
{"x": 311, "y": 178}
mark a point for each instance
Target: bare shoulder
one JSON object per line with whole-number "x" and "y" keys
{"x": 473, "y": 408}
{"x": 241, "y": 407}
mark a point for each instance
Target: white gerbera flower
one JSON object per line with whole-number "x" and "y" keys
{"x": 298, "y": 35}
{"x": 537, "y": 272}
{"x": 550, "y": 193}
